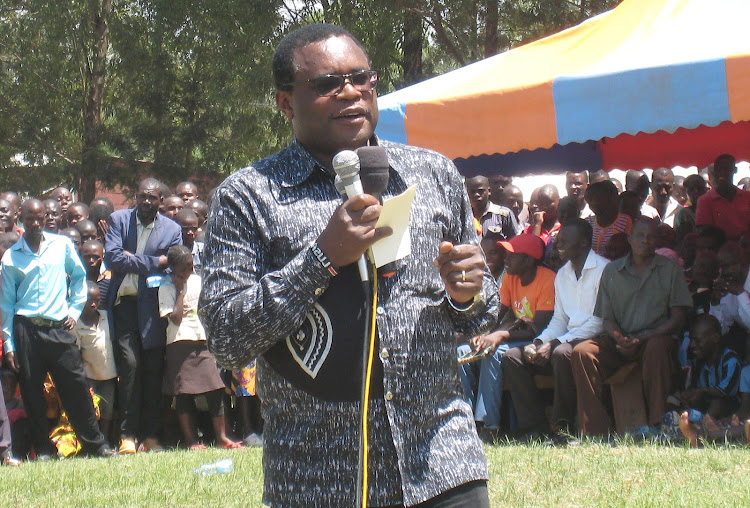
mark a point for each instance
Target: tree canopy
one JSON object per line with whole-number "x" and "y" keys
{"x": 107, "y": 90}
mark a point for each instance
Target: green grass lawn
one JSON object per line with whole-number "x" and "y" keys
{"x": 585, "y": 475}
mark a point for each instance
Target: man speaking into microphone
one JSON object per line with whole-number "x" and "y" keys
{"x": 281, "y": 284}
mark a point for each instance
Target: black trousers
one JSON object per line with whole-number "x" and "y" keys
{"x": 469, "y": 495}
{"x": 40, "y": 350}
{"x": 5, "y": 443}
{"x": 140, "y": 372}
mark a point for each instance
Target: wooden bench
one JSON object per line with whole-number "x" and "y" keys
{"x": 626, "y": 387}
{"x": 628, "y": 402}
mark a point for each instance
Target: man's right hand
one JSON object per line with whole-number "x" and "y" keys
{"x": 351, "y": 230}
{"x": 11, "y": 362}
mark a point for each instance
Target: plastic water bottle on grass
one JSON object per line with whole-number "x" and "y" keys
{"x": 219, "y": 467}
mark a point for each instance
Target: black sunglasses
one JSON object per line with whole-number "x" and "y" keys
{"x": 330, "y": 85}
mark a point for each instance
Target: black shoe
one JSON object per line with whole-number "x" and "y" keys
{"x": 104, "y": 452}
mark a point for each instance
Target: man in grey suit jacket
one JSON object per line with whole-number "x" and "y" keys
{"x": 136, "y": 248}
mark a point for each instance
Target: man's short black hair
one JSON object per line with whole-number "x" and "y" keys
{"x": 283, "y": 57}
{"x": 100, "y": 210}
{"x": 707, "y": 320}
{"x": 605, "y": 188}
{"x": 583, "y": 227}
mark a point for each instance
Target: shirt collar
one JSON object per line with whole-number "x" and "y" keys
{"x": 587, "y": 265}
{"x": 301, "y": 164}
{"x": 23, "y": 246}
{"x": 627, "y": 264}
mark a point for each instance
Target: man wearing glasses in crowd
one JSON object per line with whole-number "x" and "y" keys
{"x": 281, "y": 285}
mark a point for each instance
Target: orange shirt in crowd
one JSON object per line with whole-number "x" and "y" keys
{"x": 527, "y": 300}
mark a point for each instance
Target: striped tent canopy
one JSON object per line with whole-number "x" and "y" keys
{"x": 650, "y": 83}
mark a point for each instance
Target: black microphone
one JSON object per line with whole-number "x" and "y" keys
{"x": 374, "y": 172}
{"x": 373, "y": 162}
{"x": 346, "y": 165}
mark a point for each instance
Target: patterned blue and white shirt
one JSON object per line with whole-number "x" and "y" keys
{"x": 267, "y": 296}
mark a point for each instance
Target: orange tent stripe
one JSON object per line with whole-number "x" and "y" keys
{"x": 738, "y": 86}
{"x": 528, "y": 119}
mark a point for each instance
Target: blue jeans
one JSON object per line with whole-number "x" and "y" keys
{"x": 482, "y": 382}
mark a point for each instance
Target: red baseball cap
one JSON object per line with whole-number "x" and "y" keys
{"x": 525, "y": 243}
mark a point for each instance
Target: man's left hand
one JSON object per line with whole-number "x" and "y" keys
{"x": 543, "y": 354}
{"x": 462, "y": 270}
{"x": 69, "y": 323}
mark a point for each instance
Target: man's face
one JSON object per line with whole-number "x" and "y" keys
{"x": 189, "y": 227}
{"x": 64, "y": 197}
{"x": 92, "y": 256}
{"x": 497, "y": 186}
{"x": 695, "y": 188}
{"x": 479, "y": 194}
{"x": 187, "y": 192}
{"x": 327, "y": 125}
{"x": 148, "y": 201}
{"x": 661, "y": 187}
{"x": 703, "y": 341}
{"x": 643, "y": 239}
{"x": 722, "y": 175}
{"x": 575, "y": 185}
{"x": 516, "y": 263}
{"x": 172, "y": 205}
{"x": 75, "y": 215}
{"x": 53, "y": 216}
{"x": 32, "y": 218}
{"x": 494, "y": 255}
{"x": 513, "y": 199}
{"x": 6, "y": 216}
{"x": 731, "y": 267}
{"x": 88, "y": 231}
{"x": 543, "y": 202}
{"x": 569, "y": 244}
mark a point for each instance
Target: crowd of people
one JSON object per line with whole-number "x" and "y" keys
{"x": 652, "y": 278}
{"x": 99, "y": 331}
{"x": 102, "y": 344}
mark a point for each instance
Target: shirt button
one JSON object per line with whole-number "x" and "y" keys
{"x": 384, "y": 353}
{"x": 389, "y": 396}
{"x": 380, "y": 310}
{"x": 319, "y": 291}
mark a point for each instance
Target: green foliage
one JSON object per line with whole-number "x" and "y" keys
{"x": 187, "y": 88}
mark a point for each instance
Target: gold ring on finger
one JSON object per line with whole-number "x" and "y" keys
{"x": 463, "y": 275}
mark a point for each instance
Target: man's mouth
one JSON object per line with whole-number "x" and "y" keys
{"x": 350, "y": 114}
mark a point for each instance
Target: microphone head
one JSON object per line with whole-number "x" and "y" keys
{"x": 346, "y": 164}
{"x": 374, "y": 169}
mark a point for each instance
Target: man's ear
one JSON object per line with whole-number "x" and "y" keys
{"x": 284, "y": 103}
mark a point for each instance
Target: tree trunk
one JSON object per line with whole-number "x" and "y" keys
{"x": 96, "y": 76}
{"x": 412, "y": 47}
{"x": 491, "y": 20}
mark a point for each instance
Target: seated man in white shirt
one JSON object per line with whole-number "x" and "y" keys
{"x": 576, "y": 287}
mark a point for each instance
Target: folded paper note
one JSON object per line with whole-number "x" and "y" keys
{"x": 394, "y": 214}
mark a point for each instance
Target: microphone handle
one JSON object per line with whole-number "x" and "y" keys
{"x": 354, "y": 188}
{"x": 364, "y": 276}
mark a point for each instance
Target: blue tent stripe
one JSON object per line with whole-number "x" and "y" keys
{"x": 642, "y": 100}
{"x": 556, "y": 159}
{"x": 391, "y": 122}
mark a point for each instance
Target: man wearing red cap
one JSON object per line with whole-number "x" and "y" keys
{"x": 527, "y": 299}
